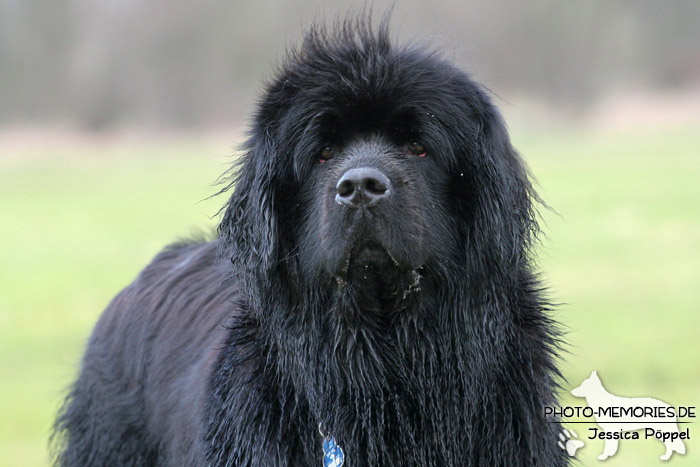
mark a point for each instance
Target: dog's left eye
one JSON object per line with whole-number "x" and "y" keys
{"x": 418, "y": 149}
{"x": 325, "y": 154}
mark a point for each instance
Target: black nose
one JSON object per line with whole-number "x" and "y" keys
{"x": 363, "y": 186}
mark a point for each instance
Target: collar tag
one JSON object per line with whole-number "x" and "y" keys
{"x": 332, "y": 453}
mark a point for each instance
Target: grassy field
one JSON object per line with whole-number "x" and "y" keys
{"x": 622, "y": 255}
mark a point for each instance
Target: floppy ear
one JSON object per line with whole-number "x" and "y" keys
{"x": 507, "y": 195}
{"x": 248, "y": 231}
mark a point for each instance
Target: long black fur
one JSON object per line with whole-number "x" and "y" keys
{"x": 414, "y": 332}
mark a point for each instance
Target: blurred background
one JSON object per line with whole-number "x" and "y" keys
{"x": 117, "y": 117}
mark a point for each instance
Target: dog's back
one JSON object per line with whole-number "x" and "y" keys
{"x": 132, "y": 388}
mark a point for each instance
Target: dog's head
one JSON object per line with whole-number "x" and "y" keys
{"x": 375, "y": 164}
{"x": 588, "y": 386}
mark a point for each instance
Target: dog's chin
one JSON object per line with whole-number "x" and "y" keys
{"x": 371, "y": 272}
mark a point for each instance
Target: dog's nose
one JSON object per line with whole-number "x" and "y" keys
{"x": 364, "y": 186}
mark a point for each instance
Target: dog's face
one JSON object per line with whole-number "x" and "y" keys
{"x": 374, "y": 202}
{"x": 374, "y": 166}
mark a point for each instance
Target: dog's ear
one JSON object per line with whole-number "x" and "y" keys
{"x": 248, "y": 231}
{"x": 506, "y": 196}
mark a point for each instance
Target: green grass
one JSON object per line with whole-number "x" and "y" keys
{"x": 78, "y": 222}
{"x": 623, "y": 255}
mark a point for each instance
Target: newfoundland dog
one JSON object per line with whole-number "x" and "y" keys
{"x": 370, "y": 299}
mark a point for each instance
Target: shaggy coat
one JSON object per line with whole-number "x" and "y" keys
{"x": 372, "y": 281}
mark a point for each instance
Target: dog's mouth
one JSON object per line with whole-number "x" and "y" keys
{"x": 372, "y": 255}
{"x": 365, "y": 257}
{"x": 374, "y": 270}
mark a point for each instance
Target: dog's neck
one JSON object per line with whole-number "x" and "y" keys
{"x": 425, "y": 387}
{"x": 400, "y": 384}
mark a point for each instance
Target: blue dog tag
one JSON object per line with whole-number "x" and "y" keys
{"x": 332, "y": 453}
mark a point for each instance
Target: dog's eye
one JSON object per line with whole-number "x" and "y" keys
{"x": 326, "y": 153}
{"x": 418, "y": 149}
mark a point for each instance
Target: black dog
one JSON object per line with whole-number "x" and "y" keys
{"x": 377, "y": 297}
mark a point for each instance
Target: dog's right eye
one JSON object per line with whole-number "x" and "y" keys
{"x": 326, "y": 153}
{"x": 418, "y": 149}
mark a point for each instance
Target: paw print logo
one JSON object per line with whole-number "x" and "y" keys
{"x": 569, "y": 444}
